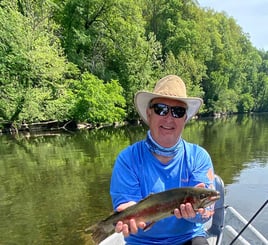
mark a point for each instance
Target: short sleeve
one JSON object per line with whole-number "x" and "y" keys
{"x": 125, "y": 185}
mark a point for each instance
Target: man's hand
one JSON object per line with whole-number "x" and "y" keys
{"x": 186, "y": 210}
{"x": 123, "y": 206}
{"x": 132, "y": 227}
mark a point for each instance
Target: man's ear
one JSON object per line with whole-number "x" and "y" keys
{"x": 148, "y": 113}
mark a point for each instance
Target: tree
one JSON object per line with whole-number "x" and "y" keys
{"x": 49, "y": 47}
{"x": 33, "y": 65}
{"x": 94, "y": 101}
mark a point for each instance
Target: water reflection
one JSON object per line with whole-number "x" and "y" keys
{"x": 233, "y": 142}
{"x": 53, "y": 186}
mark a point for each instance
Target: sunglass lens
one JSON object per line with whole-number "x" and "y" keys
{"x": 161, "y": 109}
{"x": 178, "y": 111}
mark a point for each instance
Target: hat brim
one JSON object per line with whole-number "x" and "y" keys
{"x": 143, "y": 98}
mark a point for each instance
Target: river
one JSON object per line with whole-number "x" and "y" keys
{"x": 55, "y": 185}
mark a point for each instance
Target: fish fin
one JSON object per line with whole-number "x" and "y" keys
{"x": 149, "y": 226}
{"x": 98, "y": 232}
{"x": 147, "y": 197}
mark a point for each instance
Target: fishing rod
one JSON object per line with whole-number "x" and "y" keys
{"x": 253, "y": 217}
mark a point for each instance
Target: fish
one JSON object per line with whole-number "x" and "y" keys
{"x": 153, "y": 208}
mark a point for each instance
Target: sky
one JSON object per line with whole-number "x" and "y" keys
{"x": 251, "y": 15}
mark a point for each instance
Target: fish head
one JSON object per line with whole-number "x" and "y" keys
{"x": 202, "y": 197}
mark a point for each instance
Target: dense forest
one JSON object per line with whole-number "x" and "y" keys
{"x": 84, "y": 60}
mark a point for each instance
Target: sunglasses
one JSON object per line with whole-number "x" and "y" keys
{"x": 163, "y": 109}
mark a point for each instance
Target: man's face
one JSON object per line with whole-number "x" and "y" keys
{"x": 166, "y": 130}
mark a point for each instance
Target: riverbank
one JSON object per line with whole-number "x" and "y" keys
{"x": 72, "y": 125}
{"x": 56, "y": 126}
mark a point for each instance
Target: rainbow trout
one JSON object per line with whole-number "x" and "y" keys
{"x": 153, "y": 208}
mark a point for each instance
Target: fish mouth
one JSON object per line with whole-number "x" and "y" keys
{"x": 215, "y": 198}
{"x": 210, "y": 200}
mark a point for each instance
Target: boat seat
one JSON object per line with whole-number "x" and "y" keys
{"x": 215, "y": 225}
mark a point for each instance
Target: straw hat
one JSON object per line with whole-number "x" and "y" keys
{"x": 171, "y": 87}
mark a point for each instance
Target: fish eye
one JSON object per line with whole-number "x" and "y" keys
{"x": 202, "y": 196}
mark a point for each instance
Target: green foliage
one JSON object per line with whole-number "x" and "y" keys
{"x": 246, "y": 103}
{"x": 96, "y": 101}
{"x": 32, "y": 64}
{"x": 58, "y": 58}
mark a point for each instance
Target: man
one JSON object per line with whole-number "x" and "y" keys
{"x": 160, "y": 162}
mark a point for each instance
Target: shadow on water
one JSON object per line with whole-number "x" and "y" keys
{"x": 53, "y": 186}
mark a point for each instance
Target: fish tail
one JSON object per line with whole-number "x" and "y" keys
{"x": 98, "y": 232}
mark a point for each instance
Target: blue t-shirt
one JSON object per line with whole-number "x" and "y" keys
{"x": 138, "y": 173}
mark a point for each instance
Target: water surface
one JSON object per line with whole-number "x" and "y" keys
{"x": 55, "y": 185}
